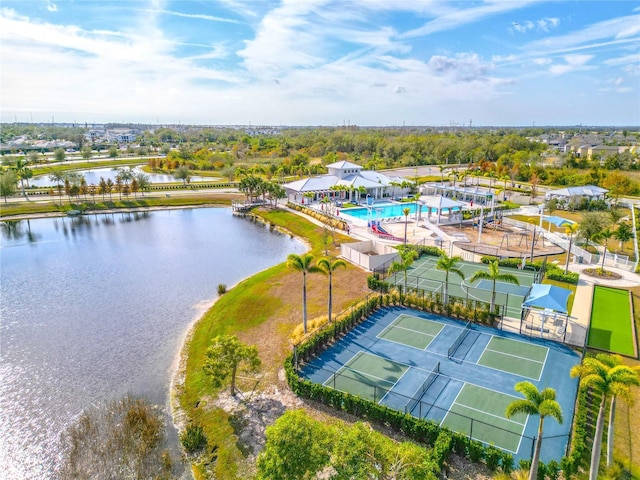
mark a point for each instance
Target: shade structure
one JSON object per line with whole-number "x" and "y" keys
{"x": 548, "y": 296}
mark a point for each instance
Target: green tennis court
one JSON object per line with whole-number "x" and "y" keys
{"x": 480, "y": 413}
{"x": 514, "y": 356}
{"x": 423, "y": 275}
{"x": 611, "y": 328}
{"x": 412, "y": 331}
{"x": 367, "y": 376}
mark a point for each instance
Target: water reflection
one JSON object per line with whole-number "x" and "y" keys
{"x": 17, "y": 229}
{"x": 94, "y": 307}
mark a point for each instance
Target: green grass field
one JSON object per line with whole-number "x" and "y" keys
{"x": 611, "y": 321}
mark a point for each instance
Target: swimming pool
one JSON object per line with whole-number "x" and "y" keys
{"x": 380, "y": 211}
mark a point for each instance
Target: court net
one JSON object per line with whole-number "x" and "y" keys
{"x": 411, "y": 404}
{"x": 458, "y": 341}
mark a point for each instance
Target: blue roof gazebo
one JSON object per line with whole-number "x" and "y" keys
{"x": 549, "y": 303}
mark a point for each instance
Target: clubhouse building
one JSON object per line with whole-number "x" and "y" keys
{"x": 346, "y": 181}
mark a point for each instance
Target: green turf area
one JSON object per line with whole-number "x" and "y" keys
{"x": 514, "y": 356}
{"x": 479, "y": 413}
{"x": 611, "y": 321}
{"x": 367, "y": 376}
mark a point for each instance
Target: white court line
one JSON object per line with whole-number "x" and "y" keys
{"x": 514, "y": 356}
{"x": 493, "y": 415}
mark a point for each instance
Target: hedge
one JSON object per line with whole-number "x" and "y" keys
{"x": 325, "y": 218}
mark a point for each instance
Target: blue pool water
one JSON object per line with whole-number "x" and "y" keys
{"x": 380, "y": 211}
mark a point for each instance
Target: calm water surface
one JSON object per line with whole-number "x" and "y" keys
{"x": 95, "y": 307}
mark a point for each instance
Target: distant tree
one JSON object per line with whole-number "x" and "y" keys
{"x": 22, "y": 171}
{"x": 591, "y": 224}
{"x": 542, "y": 403}
{"x": 86, "y": 152}
{"x": 59, "y": 155}
{"x": 406, "y": 212}
{"x": 142, "y": 179}
{"x": 494, "y": 276}
{"x": 123, "y": 439}
{"x": 8, "y": 184}
{"x": 624, "y": 233}
{"x": 604, "y": 235}
{"x": 182, "y": 173}
{"x": 570, "y": 229}
{"x": 225, "y": 356}
{"x": 113, "y": 151}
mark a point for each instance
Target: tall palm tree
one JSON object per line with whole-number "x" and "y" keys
{"x": 448, "y": 265}
{"x": 58, "y": 177}
{"x": 605, "y": 235}
{"x": 327, "y": 267}
{"x": 570, "y": 229}
{"x": 495, "y": 276}
{"x": 605, "y": 374}
{"x": 302, "y": 263}
{"x": 623, "y": 234}
{"x": 542, "y": 403}
{"x": 406, "y": 211}
{"x": 407, "y": 256}
{"x": 22, "y": 170}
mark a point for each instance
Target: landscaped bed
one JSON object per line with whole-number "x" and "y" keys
{"x": 611, "y": 328}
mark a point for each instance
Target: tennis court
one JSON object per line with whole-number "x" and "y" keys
{"x": 423, "y": 275}
{"x": 479, "y": 413}
{"x": 461, "y": 375}
{"x": 412, "y": 331}
{"x": 515, "y": 356}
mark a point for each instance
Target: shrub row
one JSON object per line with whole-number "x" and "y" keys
{"x": 325, "y": 218}
{"x": 553, "y": 272}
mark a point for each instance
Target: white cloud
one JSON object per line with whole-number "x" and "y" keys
{"x": 464, "y": 67}
{"x": 193, "y": 16}
{"x": 573, "y": 63}
{"x": 52, "y": 7}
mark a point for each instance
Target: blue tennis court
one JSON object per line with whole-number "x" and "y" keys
{"x": 460, "y": 375}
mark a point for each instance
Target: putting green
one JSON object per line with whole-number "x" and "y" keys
{"x": 611, "y": 321}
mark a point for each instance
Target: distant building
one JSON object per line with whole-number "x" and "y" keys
{"x": 590, "y": 192}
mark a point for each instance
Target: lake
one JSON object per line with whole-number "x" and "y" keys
{"x": 95, "y": 307}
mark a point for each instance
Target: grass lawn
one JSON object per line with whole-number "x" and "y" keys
{"x": 610, "y": 328}
{"x": 262, "y": 310}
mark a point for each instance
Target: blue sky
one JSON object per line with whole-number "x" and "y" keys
{"x": 321, "y": 62}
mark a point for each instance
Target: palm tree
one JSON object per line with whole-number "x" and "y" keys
{"x": 448, "y": 264}
{"x": 407, "y": 256}
{"x": 605, "y": 235}
{"x": 302, "y": 263}
{"x": 494, "y": 275}
{"x": 605, "y": 375}
{"x": 327, "y": 267}
{"x": 406, "y": 211}
{"x": 22, "y": 170}
{"x": 623, "y": 234}
{"x": 570, "y": 229}
{"x": 542, "y": 403}
{"x": 58, "y": 177}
